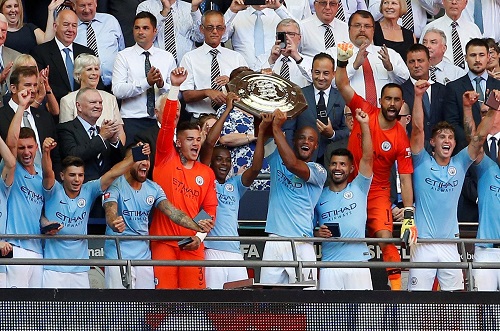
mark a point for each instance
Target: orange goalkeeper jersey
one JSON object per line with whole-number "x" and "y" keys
{"x": 388, "y": 146}
{"x": 189, "y": 190}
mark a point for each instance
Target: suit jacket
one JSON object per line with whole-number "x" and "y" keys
{"x": 149, "y": 136}
{"x": 73, "y": 140}
{"x": 48, "y": 54}
{"x": 8, "y": 56}
{"x": 453, "y": 110}
{"x": 436, "y": 113}
{"x": 335, "y": 111}
{"x": 44, "y": 124}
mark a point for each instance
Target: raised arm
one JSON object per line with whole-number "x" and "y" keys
{"x": 366, "y": 162}
{"x": 115, "y": 222}
{"x": 214, "y": 133}
{"x": 15, "y": 124}
{"x": 344, "y": 52}
{"x": 478, "y": 138}
{"x": 49, "y": 178}
{"x": 258, "y": 156}
{"x": 10, "y": 163}
{"x": 292, "y": 163}
{"x": 417, "y": 139}
{"x": 119, "y": 169}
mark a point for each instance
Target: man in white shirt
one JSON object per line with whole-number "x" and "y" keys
{"x": 371, "y": 67}
{"x": 251, "y": 29}
{"x": 452, "y": 21}
{"x": 287, "y": 61}
{"x": 140, "y": 75}
{"x": 101, "y": 33}
{"x": 208, "y": 68}
{"x": 183, "y": 16}
{"x": 441, "y": 70}
{"x": 485, "y": 14}
{"x": 419, "y": 11}
{"x": 322, "y": 30}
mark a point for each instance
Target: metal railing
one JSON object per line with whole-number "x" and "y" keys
{"x": 298, "y": 265}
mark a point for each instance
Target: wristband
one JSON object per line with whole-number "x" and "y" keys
{"x": 201, "y": 235}
{"x": 48, "y": 92}
{"x": 299, "y": 61}
{"x": 342, "y": 64}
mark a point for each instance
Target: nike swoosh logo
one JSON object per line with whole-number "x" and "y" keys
{"x": 62, "y": 202}
{"x": 125, "y": 200}
{"x": 322, "y": 203}
{"x": 434, "y": 169}
{"x": 496, "y": 176}
{"x": 27, "y": 177}
{"x": 178, "y": 168}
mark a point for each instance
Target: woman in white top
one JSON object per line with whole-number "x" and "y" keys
{"x": 87, "y": 72}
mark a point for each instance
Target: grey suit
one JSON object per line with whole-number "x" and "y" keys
{"x": 335, "y": 111}
{"x": 8, "y": 56}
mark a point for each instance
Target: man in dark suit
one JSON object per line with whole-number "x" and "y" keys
{"x": 477, "y": 79}
{"x": 60, "y": 53}
{"x": 98, "y": 147}
{"x": 38, "y": 119}
{"x": 325, "y": 110}
{"x": 417, "y": 61}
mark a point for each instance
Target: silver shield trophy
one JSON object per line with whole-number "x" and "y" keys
{"x": 264, "y": 93}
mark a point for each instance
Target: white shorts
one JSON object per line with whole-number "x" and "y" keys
{"x": 56, "y": 279}
{"x": 423, "y": 279}
{"x": 486, "y": 279}
{"x": 345, "y": 279}
{"x": 282, "y": 251}
{"x": 142, "y": 277}
{"x": 3, "y": 279}
{"x": 217, "y": 276}
{"x": 24, "y": 276}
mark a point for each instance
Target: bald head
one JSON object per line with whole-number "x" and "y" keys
{"x": 65, "y": 26}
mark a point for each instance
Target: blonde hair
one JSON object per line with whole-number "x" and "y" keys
{"x": 24, "y": 60}
{"x": 21, "y": 12}
{"x": 403, "y": 7}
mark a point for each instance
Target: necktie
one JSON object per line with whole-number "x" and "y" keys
{"x": 214, "y": 73}
{"x": 433, "y": 74}
{"x": 258, "y": 33}
{"x": 458, "y": 55}
{"x": 69, "y": 68}
{"x": 479, "y": 90}
{"x": 478, "y": 15}
{"x": 370, "y": 89}
{"x": 150, "y": 93}
{"x": 493, "y": 148}
{"x": 329, "y": 39}
{"x": 27, "y": 124}
{"x": 427, "y": 104}
{"x": 169, "y": 38}
{"x": 408, "y": 17}
{"x": 93, "y": 133}
{"x": 91, "y": 41}
{"x": 321, "y": 106}
{"x": 340, "y": 12}
{"x": 285, "y": 69}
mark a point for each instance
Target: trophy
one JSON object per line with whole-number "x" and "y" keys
{"x": 264, "y": 93}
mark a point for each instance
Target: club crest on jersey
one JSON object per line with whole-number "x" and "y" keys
{"x": 386, "y": 146}
{"x": 452, "y": 171}
{"x": 199, "y": 180}
{"x": 229, "y": 187}
{"x": 348, "y": 195}
{"x": 81, "y": 202}
{"x": 150, "y": 199}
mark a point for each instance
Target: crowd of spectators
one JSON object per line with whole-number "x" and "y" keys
{"x": 120, "y": 109}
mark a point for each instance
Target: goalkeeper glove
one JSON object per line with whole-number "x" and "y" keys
{"x": 408, "y": 228}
